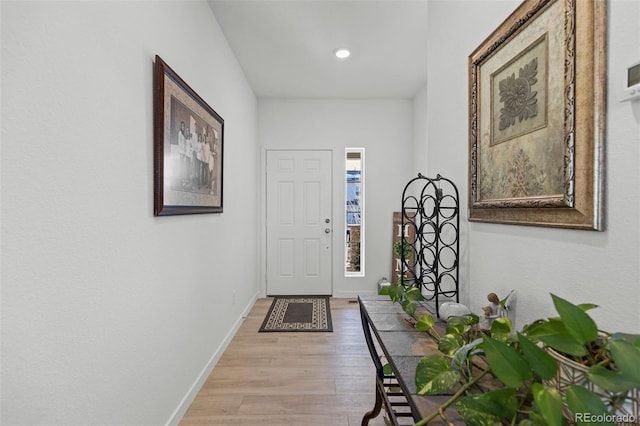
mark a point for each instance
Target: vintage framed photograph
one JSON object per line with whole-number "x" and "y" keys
{"x": 537, "y": 92}
{"x": 188, "y": 146}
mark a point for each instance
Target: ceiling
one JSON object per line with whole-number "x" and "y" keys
{"x": 286, "y": 47}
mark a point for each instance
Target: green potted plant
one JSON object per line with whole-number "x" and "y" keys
{"x": 526, "y": 367}
{"x": 599, "y": 372}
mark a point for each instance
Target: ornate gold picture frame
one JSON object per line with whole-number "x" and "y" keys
{"x": 537, "y": 104}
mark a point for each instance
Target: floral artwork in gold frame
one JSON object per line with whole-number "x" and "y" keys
{"x": 537, "y": 117}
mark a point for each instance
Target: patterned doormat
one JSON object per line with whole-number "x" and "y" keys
{"x": 298, "y": 313}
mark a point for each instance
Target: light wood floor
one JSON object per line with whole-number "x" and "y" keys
{"x": 323, "y": 379}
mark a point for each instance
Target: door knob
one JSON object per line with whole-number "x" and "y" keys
{"x": 327, "y": 230}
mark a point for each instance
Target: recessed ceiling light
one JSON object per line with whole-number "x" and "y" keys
{"x": 342, "y": 53}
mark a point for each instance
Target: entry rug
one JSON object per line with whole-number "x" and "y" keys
{"x": 298, "y": 313}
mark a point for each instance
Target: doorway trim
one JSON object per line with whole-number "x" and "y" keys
{"x": 263, "y": 212}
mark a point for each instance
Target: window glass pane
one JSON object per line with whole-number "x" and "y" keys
{"x": 354, "y": 209}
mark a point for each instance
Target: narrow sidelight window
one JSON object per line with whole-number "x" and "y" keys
{"x": 354, "y": 212}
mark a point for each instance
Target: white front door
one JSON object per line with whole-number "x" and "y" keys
{"x": 299, "y": 224}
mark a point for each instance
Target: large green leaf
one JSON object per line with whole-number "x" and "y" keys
{"x": 488, "y": 408}
{"x": 413, "y": 294}
{"x": 501, "y": 330}
{"x": 475, "y": 417}
{"x": 395, "y": 292}
{"x": 425, "y": 322}
{"x": 458, "y": 325}
{"x": 462, "y": 354}
{"x": 586, "y": 406}
{"x": 553, "y": 333}
{"x": 434, "y": 375}
{"x": 506, "y": 363}
{"x": 472, "y": 319}
{"x": 501, "y": 325}
{"x": 500, "y": 402}
{"x": 531, "y": 329}
{"x": 409, "y": 307}
{"x": 627, "y": 359}
{"x": 612, "y": 381}
{"x": 578, "y": 323}
{"x": 550, "y": 327}
{"x": 450, "y": 343}
{"x": 565, "y": 344}
{"x": 549, "y": 403}
{"x": 540, "y": 361}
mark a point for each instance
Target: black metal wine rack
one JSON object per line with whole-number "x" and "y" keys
{"x": 431, "y": 223}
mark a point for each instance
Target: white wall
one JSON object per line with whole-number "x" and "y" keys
{"x": 110, "y": 315}
{"x": 420, "y": 132}
{"x": 385, "y": 129}
{"x": 583, "y": 266}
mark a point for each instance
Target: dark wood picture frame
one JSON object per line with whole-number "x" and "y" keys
{"x": 539, "y": 159}
{"x": 188, "y": 148}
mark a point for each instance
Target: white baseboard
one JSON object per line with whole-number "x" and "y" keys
{"x": 353, "y": 294}
{"x": 184, "y": 405}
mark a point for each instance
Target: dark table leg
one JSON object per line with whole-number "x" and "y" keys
{"x": 376, "y": 408}
{"x": 379, "y": 369}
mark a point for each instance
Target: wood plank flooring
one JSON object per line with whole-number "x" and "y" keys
{"x": 323, "y": 379}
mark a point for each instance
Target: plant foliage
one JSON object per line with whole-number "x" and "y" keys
{"x": 521, "y": 364}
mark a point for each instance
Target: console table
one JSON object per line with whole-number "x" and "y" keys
{"x": 393, "y": 339}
